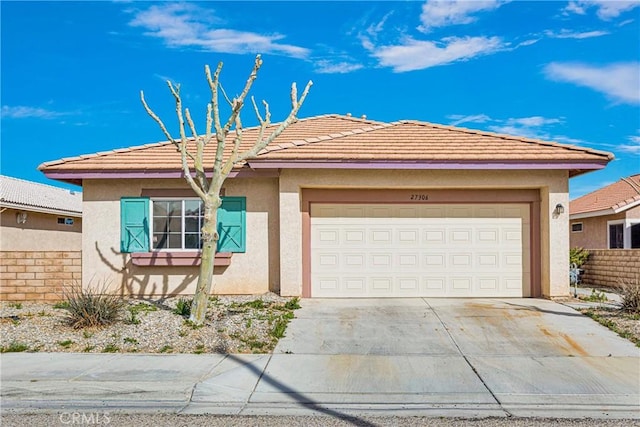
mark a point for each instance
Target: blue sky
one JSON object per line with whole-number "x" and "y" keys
{"x": 562, "y": 71}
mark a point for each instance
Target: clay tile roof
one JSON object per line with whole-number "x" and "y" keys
{"x": 337, "y": 138}
{"x": 20, "y": 194}
{"x": 613, "y": 198}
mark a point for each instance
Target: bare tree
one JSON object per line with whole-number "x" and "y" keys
{"x": 219, "y": 133}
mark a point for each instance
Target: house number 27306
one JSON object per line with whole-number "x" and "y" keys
{"x": 419, "y": 197}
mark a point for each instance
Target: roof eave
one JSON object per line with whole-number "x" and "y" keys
{"x": 39, "y": 209}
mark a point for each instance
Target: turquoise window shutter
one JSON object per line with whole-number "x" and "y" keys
{"x": 134, "y": 224}
{"x": 232, "y": 224}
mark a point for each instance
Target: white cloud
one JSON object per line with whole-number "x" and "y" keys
{"x": 568, "y": 34}
{"x": 605, "y": 9}
{"x": 633, "y": 148}
{"x": 620, "y": 82}
{"x": 328, "y": 67}
{"x": 459, "y": 119}
{"x": 417, "y": 54}
{"x": 534, "y": 121}
{"x": 22, "y": 112}
{"x": 437, "y": 13}
{"x": 188, "y": 25}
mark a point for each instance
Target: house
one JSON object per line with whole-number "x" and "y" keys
{"x": 40, "y": 240}
{"x": 608, "y": 218}
{"x": 39, "y": 217}
{"x": 339, "y": 206}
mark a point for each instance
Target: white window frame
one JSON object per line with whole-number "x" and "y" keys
{"x": 581, "y": 227}
{"x": 182, "y": 224}
{"x": 625, "y": 234}
{"x": 627, "y": 231}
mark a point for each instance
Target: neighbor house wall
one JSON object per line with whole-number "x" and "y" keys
{"x": 40, "y": 232}
{"x": 594, "y": 231}
{"x": 256, "y": 271}
{"x": 553, "y": 187}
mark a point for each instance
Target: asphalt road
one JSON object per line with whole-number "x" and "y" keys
{"x": 117, "y": 420}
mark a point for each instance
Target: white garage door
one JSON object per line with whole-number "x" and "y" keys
{"x": 456, "y": 250}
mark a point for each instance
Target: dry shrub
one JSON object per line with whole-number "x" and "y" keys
{"x": 92, "y": 307}
{"x": 630, "y": 291}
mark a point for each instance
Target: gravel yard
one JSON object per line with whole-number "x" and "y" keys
{"x": 235, "y": 324}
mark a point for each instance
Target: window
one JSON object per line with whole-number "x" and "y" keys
{"x": 175, "y": 224}
{"x": 635, "y": 235}
{"x": 576, "y": 227}
{"x": 616, "y": 236}
{"x": 65, "y": 221}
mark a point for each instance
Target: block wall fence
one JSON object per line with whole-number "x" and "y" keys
{"x": 38, "y": 276}
{"x": 609, "y": 267}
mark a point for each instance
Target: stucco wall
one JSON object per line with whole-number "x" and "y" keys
{"x": 553, "y": 186}
{"x": 256, "y": 271}
{"x": 41, "y": 232}
{"x": 594, "y": 231}
{"x": 610, "y": 267}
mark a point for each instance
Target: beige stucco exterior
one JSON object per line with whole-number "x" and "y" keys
{"x": 274, "y": 249}
{"x": 594, "y": 234}
{"x": 40, "y": 232}
{"x": 255, "y": 271}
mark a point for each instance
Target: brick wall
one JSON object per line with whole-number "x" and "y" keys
{"x": 38, "y": 276}
{"x": 607, "y": 267}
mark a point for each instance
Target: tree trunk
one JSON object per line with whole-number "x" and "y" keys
{"x": 210, "y": 239}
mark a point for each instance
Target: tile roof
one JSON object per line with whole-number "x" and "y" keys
{"x": 617, "y": 197}
{"x": 346, "y": 139}
{"x": 28, "y": 195}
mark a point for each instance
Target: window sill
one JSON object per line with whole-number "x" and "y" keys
{"x": 177, "y": 259}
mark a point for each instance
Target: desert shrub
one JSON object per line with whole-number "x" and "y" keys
{"x": 92, "y": 307}
{"x": 183, "y": 307}
{"x": 578, "y": 256}
{"x": 630, "y": 291}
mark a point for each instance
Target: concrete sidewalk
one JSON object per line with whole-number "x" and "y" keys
{"x": 482, "y": 358}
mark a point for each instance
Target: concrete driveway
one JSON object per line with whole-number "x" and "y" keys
{"x": 515, "y": 356}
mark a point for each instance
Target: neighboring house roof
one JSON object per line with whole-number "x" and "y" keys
{"x": 333, "y": 141}
{"x": 614, "y": 198}
{"x": 32, "y": 196}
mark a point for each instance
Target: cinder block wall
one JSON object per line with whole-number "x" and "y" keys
{"x": 608, "y": 267}
{"x": 38, "y": 276}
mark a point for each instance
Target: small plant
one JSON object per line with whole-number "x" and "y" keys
{"x": 248, "y": 323}
{"x": 630, "y": 296}
{"x": 578, "y": 256}
{"x": 199, "y": 349}
{"x": 86, "y": 334}
{"x": 66, "y": 343}
{"x": 192, "y": 325}
{"x": 278, "y": 328}
{"x": 182, "y": 333}
{"x": 92, "y": 307}
{"x": 292, "y": 304}
{"x": 16, "y": 305}
{"x": 257, "y": 304}
{"x": 131, "y": 318}
{"x": 61, "y": 305}
{"x": 183, "y": 307}
{"x": 596, "y": 296}
{"x": 166, "y": 349}
{"x": 111, "y": 348}
{"x": 129, "y": 340}
{"x": 14, "y": 347}
{"x": 88, "y": 348}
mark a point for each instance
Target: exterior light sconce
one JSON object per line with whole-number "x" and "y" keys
{"x": 558, "y": 210}
{"x": 21, "y": 217}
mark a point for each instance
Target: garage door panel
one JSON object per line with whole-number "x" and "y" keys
{"x": 413, "y": 250}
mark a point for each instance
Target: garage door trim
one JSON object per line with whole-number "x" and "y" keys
{"x": 421, "y": 196}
